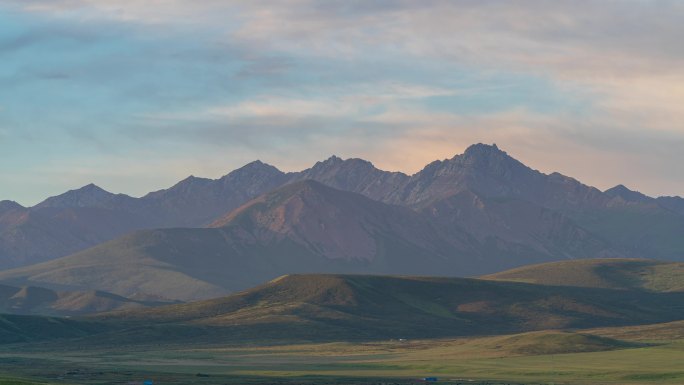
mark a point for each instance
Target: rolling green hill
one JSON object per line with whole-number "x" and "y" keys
{"x": 351, "y": 307}
{"x": 553, "y": 342}
{"x": 34, "y": 300}
{"x": 296, "y": 308}
{"x": 633, "y": 274}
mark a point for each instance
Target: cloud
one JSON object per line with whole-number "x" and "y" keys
{"x": 341, "y": 101}
{"x": 563, "y": 84}
{"x": 585, "y": 41}
{"x": 578, "y": 39}
{"x": 279, "y": 121}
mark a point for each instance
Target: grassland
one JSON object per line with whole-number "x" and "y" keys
{"x": 336, "y": 329}
{"x": 344, "y": 308}
{"x": 632, "y": 355}
{"x": 622, "y": 274}
{"x": 15, "y": 381}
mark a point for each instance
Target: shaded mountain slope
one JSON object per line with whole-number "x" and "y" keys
{"x": 135, "y": 264}
{"x": 339, "y": 224}
{"x": 497, "y": 196}
{"x": 516, "y": 211}
{"x": 82, "y": 218}
{"x": 487, "y": 171}
{"x": 64, "y": 224}
{"x": 520, "y": 211}
{"x": 510, "y": 208}
{"x": 356, "y": 175}
{"x": 307, "y": 227}
{"x": 6, "y": 206}
{"x": 626, "y": 274}
{"x": 87, "y": 196}
{"x": 517, "y": 214}
{"x": 627, "y": 195}
{"x": 675, "y": 204}
{"x": 518, "y": 229}
{"x": 637, "y": 231}
{"x": 33, "y": 235}
{"x": 303, "y": 227}
{"x": 196, "y": 202}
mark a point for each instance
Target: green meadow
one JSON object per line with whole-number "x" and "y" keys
{"x": 553, "y": 357}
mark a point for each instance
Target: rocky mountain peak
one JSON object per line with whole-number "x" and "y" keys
{"x": 626, "y": 194}
{"x": 255, "y": 166}
{"x": 482, "y": 148}
{"x": 484, "y": 155}
{"x": 89, "y": 195}
{"x": 334, "y": 159}
{"x": 478, "y": 161}
{"x": 335, "y": 163}
{"x": 330, "y": 163}
{"x": 190, "y": 183}
{"x": 354, "y": 174}
{"x": 255, "y": 169}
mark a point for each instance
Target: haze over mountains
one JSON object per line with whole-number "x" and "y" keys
{"x": 477, "y": 213}
{"x": 301, "y": 227}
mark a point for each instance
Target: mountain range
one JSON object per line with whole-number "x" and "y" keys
{"x": 301, "y": 227}
{"x": 476, "y": 213}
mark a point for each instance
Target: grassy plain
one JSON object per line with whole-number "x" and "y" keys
{"x": 642, "y": 355}
{"x": 260, "y": 336}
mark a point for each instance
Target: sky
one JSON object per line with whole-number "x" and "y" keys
{"x": 136, "y": 95}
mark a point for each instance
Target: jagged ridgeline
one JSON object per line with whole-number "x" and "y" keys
{"x": 479, "y": 212}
